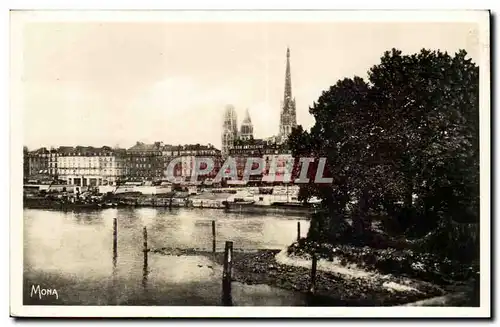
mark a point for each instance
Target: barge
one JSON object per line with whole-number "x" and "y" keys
{"x": 278, "y": 207}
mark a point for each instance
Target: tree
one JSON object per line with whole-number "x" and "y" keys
{"x": 405, "y": 144}
{"x": 427, "y": 108}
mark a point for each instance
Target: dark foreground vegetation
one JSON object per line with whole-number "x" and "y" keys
{"x": 401, "y": 147}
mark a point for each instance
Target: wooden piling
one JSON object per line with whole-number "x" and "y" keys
{"x": 298, "y": 231}
{"x": 145, "y": 250}
{"x": 313, "y": 273}
{"x": 226, "y": 274}
{"x": 115, "y": 241}
{"x": 213, "y": 236}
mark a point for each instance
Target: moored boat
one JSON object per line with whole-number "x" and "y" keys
{"x": 43, "y": 203}
{"x": 282, "y": 208}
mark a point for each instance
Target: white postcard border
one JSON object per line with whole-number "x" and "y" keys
{"x": 18, "y": 19}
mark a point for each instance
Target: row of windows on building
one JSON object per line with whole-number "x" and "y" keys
{"x": 141, "y": 156}
{"x": 174, "y": 153}
{"x": 111, "y": 172}
{"x": 89, "y": 165}
{"x": 72, "y": 158}
{"x": 142, "y": 173}
{"x": 72, "y": 154}
{"x": 138, "y": 159}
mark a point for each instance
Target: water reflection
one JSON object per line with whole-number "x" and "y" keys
{"x": 183, "y": 269}
{"x": 75, "y": 250}
{"x": 52, "y": 236}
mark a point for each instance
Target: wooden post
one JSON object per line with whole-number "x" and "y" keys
{"x": 213, "y": 236}
{"x": 298, "y": 231}
{"x": 313, "y": 273}
{"x": 226, "y": 274}
{"x": 115, "y": 241}
{"x": 112, "y": 293}
{"x": 145, "y": 250}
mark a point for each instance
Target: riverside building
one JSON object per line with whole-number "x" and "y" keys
{"x": 90, "y": 166}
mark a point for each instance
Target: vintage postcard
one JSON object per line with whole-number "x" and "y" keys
{"x": 250, "y": 163}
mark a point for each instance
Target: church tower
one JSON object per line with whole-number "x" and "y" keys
{"x": 288, "y": 119}
{"x": 246, "y": 131}
{"x": 229, "y": 129}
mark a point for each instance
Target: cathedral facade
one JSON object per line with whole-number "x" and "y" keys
{"x": 288, "y": 120}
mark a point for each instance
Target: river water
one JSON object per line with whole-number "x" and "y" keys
{"x": 72, "y": 252}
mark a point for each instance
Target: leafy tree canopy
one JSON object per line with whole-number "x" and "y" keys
{"x": 403, "y": 144}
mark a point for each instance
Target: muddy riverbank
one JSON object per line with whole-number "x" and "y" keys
{"x": 331, "y": 288}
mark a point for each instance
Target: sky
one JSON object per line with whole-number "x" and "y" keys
{"x": 116, "y": 83}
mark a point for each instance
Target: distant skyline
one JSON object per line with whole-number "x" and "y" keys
{"x": 95, "y": 84}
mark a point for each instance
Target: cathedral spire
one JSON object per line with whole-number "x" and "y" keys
{"x": 288, "y": 118}
{"x": 288, "y": 79}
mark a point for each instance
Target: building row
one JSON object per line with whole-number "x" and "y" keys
{"x": 92, "y": 166}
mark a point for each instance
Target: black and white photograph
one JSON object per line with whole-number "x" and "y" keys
{"x": 288, "y": 163}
